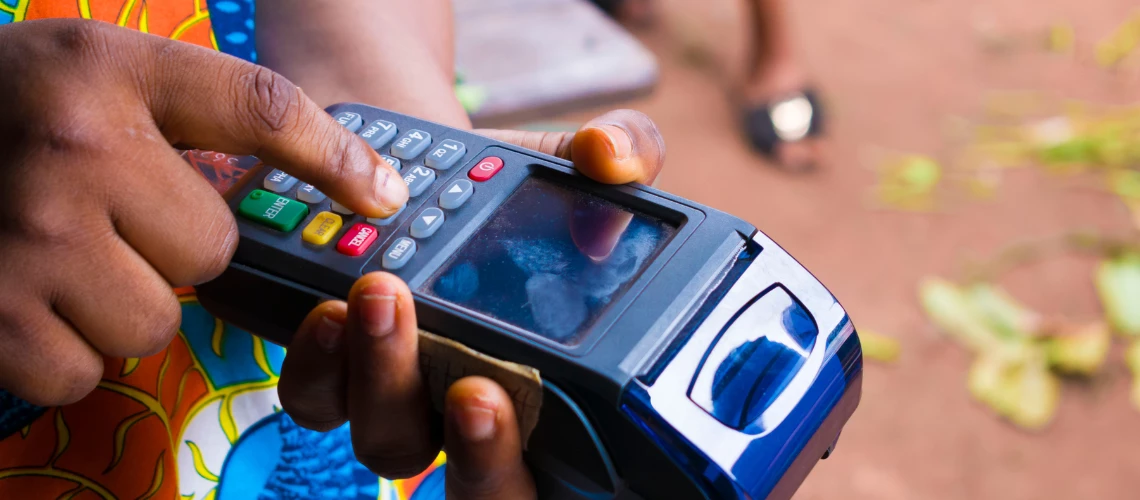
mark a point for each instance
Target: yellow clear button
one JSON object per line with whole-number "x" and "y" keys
{"x": 322, "y": 228}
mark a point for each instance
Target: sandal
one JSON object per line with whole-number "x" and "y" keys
{"x": 788, "y": 120}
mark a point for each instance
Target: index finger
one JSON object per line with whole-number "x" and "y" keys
{"x": 228, "y": 105}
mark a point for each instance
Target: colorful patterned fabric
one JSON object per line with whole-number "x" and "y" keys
{"x": 200, "y": 420}
{"x": 226, "y": 25}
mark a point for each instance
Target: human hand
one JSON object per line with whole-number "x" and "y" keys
{"x": 357, "y": 361}
{"x": 99, "y": 217}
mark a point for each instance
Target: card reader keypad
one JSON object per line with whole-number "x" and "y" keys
{"x": 340, "y": 209}
{"x": 272, "y": 210}
{"x": 279, "y": 182}
{"x": 411, "y": 144}
{"x": 486, "y": 169}
{"x": 286, "y": 205}
{"x": 394, "y": 162}
{"x": 357, "y": 240}
{"x": 308, "y": 193}
{"x": 387, "y": 221}
{"x": 418, "y": 179}
{"x": 444, "y": 156}
{"x": 378, "y": 133}
{"x": 399, "y": 253}
{"x": 351, "y": 121}
{"x": 428, "y": 222}
{"x": 456, "y": 194}
{"x": 322, "y": 228}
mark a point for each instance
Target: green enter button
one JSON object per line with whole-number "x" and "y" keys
{"x": 273, "y": 211}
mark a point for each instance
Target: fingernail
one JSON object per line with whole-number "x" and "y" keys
{"x": 475, "y": 423}
{"x": 390, "y": 188}
{"x": 618, "y": 141}
{"x": 329, "y": 334}
{"x": 378, "y": 309}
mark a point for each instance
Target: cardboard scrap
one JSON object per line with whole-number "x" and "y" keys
{"x": 443, "y": 361}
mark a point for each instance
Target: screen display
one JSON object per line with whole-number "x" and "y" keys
{"x": 550, "y": 260}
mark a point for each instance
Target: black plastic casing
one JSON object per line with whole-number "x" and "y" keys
{"x": 583, "y": 447}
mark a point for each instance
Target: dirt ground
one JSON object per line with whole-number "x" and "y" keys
{"x": 895, "y": 74}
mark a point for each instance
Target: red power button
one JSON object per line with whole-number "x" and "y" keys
{"x": 486, "y": 168}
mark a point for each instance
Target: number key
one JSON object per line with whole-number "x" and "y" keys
{"x": 310, "y": 194}
{"x": 418, "y": 179}
{"x": 378, "y": 133}
{"x": 394, "y": 162}
{"x": 411, "y": 144}
{"x": 445, "y": 155}
{"x": 278, "y": 181}
{"x": 387, "y": 221}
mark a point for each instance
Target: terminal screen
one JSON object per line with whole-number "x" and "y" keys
{"x": 551, "y": 260}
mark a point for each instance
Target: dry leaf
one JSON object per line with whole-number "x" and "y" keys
{"x": 1120, "y": 44}
{"x": 1061, "y": 38}
{"x": 908, "y": 183}
{"x": 949, "y": 308}
{"x": 1132, "y": 357}
{"x": 1002, "y": 313}
{"x": 1079, "y": 349}
{"x": 879, "y": 347}
{"x": 1118, "y": 284}
{"x": 1024, "y": 392}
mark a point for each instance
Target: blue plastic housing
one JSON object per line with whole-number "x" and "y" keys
{"x": 757, "y": 392}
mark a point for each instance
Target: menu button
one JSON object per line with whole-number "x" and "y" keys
{"x": 399, "y": 253}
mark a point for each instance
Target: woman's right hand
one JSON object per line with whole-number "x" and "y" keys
{"x": 100, "y": 218}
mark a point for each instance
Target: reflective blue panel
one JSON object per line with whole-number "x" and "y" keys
{"x": 753, "y": 359}
{"x": 747, "y": 466}
{"x": 773, "y": 365}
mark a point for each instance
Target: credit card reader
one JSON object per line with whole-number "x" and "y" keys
{"x": 683, "y": 353}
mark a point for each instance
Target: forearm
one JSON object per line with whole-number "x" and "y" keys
{"x": 395, "y": 54}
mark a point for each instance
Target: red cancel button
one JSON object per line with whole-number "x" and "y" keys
{"x": 486, "y": 168}
{"x": 357, "y": 240}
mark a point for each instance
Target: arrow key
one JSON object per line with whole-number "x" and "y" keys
{"x": 456, "y": 194}
{"x": 428, "y": 222}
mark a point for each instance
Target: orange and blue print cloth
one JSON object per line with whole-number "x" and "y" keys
{"x": 226, "y": 25}
{"x": 200, "y": 420}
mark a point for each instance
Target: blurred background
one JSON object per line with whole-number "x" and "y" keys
{"x": 979, "y": 161}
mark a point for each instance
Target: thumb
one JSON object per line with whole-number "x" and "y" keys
{"x": 249, "y": 109}
{"x": 618, "y": 147}
{"x": 481, "y": 437}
